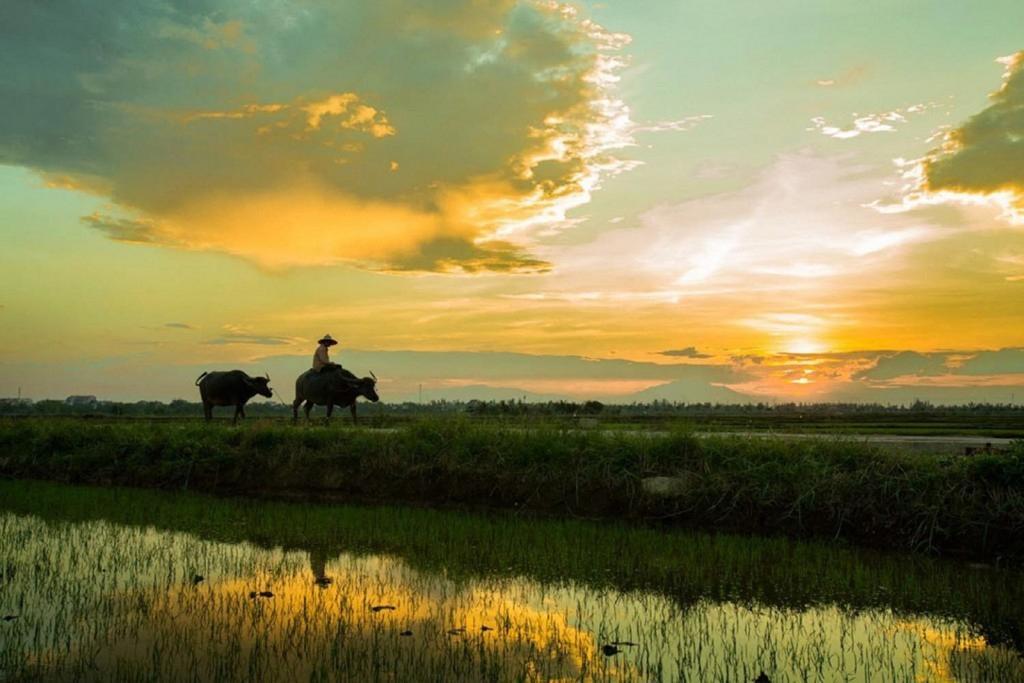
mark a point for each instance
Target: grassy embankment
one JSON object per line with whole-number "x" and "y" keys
{"x": 826, "y": 488}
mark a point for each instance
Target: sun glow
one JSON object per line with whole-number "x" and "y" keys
{"x": 805, "y": 345}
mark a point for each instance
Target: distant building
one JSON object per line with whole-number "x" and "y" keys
{"x": 15, "y": 402}
{"x": 81, "y": 401}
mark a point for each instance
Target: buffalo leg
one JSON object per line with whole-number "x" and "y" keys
{"x": 330, "y": 411}
{"x": 238, "y": 411}
{"x": 295, "y": 409}
{"x": 207, "y": 411}
{"x": 353, "y": 409}
{"x": 308, "y": 407}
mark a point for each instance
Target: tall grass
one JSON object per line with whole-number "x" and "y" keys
{"x": 834, "y": 488}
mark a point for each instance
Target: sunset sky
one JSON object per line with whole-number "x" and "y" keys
{"x": 686, "y": 199}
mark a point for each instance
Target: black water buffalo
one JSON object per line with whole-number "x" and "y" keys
{"x": 230, "y": 388}
{"x": 333, "y": 387}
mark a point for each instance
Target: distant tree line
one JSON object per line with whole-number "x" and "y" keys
{"x": 655, "y": 410}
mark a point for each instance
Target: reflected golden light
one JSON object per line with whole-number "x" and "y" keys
{"x": 444, "y": 618}
{"x": 949, "y": 654}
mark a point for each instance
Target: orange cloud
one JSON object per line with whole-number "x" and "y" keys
{"x": 237, "y": 138}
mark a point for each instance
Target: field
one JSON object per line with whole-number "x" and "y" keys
{"x": 123, "y": 585}
{"x": 829, "y": 487}
{"x": 925, "y": 420}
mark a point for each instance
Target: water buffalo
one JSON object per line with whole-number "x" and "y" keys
{"x": 334, "y": 387}
{"x": 230, "y": 388}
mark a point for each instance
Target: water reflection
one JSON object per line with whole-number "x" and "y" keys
{"x": 318, "y": 565}
{"x": 105, "y": 601}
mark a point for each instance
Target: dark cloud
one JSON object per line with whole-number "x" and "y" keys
{"x": 390, "y": 134}
{"x": 892, "y": 365}
{"x": 986, "y": 154}
{"x": 481, "y": 375}
{"x": 451, "y": 255}
{"x": 443, "y": 374}
{"x": 688, "y": 352}
{"x": 494, "y": 366}
{"x": 906, "y": 363}
{"x": 1003, "y": 361}
{"x": 248, "y": 339}
{"x": 122, "y": 229}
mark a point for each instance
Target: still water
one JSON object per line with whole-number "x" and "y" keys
{"x": 142, "y": 586}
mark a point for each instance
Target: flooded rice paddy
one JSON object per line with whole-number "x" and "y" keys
{"x": 128, "y": 585}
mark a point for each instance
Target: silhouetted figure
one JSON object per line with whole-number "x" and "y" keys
{"x": 321, "y": 357}
{"x": 231, "y": 388}
{"x": 336, "y": 387}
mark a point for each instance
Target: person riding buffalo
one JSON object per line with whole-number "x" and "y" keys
{"x": 322, "y": 362}
{"x": 321, "y": 357}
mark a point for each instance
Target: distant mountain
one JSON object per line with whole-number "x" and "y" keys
{"x": 682, "y": 391}
{"x": 687, "y": 391}
{"x": 479, "y": 392}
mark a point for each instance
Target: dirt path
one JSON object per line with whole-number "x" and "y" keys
{"x": 929, "y": 444}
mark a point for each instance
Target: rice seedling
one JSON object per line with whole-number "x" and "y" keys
{"x": 104, "y": 584}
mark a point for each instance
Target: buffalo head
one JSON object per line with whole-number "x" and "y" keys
{"x": 368, "y": 387}
{"x": 261, "y": 386}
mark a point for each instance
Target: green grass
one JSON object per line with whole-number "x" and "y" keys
{"x": 832, "y": 488}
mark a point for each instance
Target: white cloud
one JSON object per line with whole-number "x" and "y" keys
{"x": 884, "y": 122}
{"x": 803, "y": 220}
